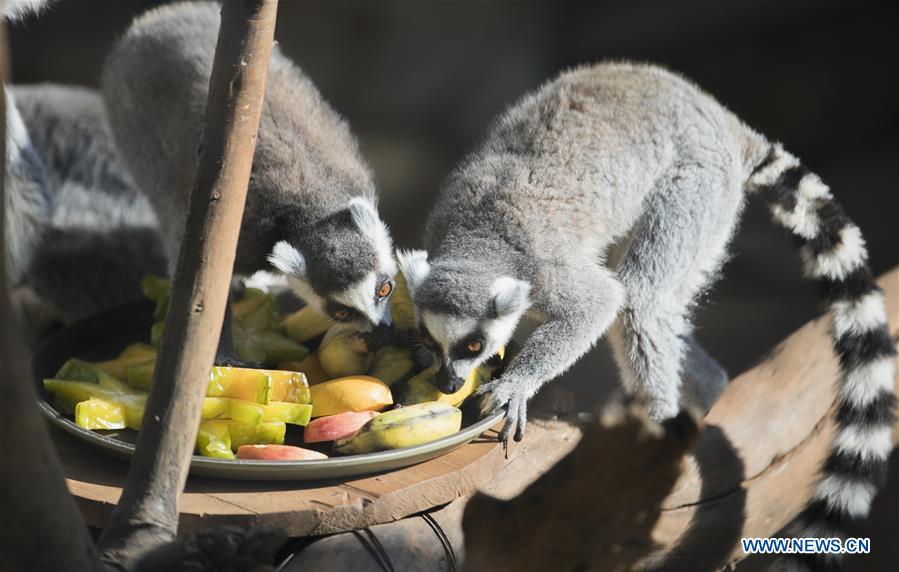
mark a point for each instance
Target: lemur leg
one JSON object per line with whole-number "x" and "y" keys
{"x": 578, "y": 313}
{"x": 677, "y": 247}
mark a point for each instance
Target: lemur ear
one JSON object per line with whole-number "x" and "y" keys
{"x": 288, "y": 260}
{"x": 510, "y": 295}
{"x": 364, "y": 212}
{"x": 414, "y": 266}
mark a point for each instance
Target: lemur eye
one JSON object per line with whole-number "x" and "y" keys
{"x": 342, "y": 314}
{"x": 474, "y": 346}
{"x": 385, "y": 289}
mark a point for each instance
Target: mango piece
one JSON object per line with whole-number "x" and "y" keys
{"x": 278, "y": 347}
{"x": 140, "y": 375}
{"x": 392, "y": 365}
{"x": 353, "y": 393}
{"x": 100, "y": 414}
{"x": 132, "y": 355}
{"x": 306, "y": 324}
{"x": 159, "y": 290}
{"x": 344, "y": 352}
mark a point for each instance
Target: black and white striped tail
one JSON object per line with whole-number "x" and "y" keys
{"x": 834, "y": 256}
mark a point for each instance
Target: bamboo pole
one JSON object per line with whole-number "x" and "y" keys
{"x": 147, "y": 513}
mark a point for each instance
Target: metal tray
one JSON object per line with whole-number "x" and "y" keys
{"x": 103, "y": 336}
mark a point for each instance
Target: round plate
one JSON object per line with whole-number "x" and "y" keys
{"x": 103, "y": 336}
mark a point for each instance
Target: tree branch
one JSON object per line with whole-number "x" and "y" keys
{"x": 147, "y": 512}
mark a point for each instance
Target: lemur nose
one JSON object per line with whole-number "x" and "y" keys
{"x": 447, "y": 382}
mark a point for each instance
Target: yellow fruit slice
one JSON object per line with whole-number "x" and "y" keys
{"x": 305, "y": 324}
{"x": 100, "y": 414}
{"x": 353, "y": 393}
{"x": 239, "y": 383}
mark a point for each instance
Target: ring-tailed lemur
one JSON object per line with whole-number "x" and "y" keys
{"x": 636, "y": 158}
{"x": 311, "y": 207}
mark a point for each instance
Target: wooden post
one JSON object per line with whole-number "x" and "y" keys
{"x": 42, "y": 528}
{"x": 147, "y": 513}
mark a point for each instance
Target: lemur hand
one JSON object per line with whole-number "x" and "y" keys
{"x": 509, "y": 394}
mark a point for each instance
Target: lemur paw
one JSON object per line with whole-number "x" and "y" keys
{"x": 508, "y": 395}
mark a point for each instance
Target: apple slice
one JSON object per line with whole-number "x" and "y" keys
{"x": 334, "y": 427}
{"x": 278, "y": 453}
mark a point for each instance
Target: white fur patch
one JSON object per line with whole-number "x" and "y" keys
{"x": 305, "y": 293}
{"x": 802, "y": 220}
{"x": 365, "y": 215}
{"x": 288, "y": 259}
{"x": 812, "y": 188}
{"x": 866, "y": 383}
{"x": 510, "y": 295}
{"x": 16, "y": 133}
{"x": 859, "y": 316}
{"x": 18, "y": 9}
{"x": 448, "y": 330}
{"x": 769, "y": 175}
{"x": 361, "y": 296}
{"x": 414, "y": 266}
{"x": 849, "y": 497}
{"x": 866, "y": 441}
{"x": 848, "y": 255}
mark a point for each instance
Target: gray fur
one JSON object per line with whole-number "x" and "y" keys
{"x": 14, "y": 10}
{"x": 613, "y": 157}
{"x": 308, "y": 172}
{"x": 98, "y": 235}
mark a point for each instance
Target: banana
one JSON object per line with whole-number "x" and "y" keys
{"x": 344, "y": 352}
{"x": 421, "y": 388}
{"x": 404, "y": 427}
{"x": 392, "y": 364}
{"x": 305, "y": 324}
{"x": 402, "y": 312}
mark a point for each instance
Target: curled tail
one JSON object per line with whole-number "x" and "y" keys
{"x": 834, "y": 256}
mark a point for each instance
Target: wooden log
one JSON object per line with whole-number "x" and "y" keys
{"x": 751, "y": 471}
{"x": 147, "y": 514}
{"x": 42, "y": 528}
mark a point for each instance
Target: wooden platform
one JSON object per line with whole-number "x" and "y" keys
{"x": 301, "y": 509}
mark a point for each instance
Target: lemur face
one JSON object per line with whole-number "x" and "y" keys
{"x": 464, "y": 318}
{"x": 350, "y": 277}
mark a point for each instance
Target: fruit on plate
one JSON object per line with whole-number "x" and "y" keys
{"x": 98, "y": 413}
{"x": 258, "y": 385}
{"x": 402, "y": 311}
{"x": 344, "y": 352}
{"x": 306, "y": 324}
{"x": 220, "y": 438}
{"x": 310, "y": 367}
{"x": 404, "y": 427}
{"x": 334, "y": 427}
{"x": 352, "y": 393}
{"x": 252, "y": 413}
{"x": 422, "y": 387}
{"x": 278, "y": 453}
{"x": 392, "y": 365}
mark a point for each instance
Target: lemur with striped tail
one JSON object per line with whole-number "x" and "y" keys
{"x": 311, "y": 207}
{"x": 603, "y": 203}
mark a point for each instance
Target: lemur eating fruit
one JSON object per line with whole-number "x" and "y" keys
{"x": 635, "y": 160}
{"x": 311, "y": 208}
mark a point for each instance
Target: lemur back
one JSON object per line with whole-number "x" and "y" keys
{"x": 311, "y": 205}
{"x": 604, "y": 203}
{"x": 98, "y": 236}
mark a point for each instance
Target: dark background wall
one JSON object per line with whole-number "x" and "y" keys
{"x": 419, "y": 83}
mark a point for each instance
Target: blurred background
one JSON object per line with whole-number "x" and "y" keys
{"x": 420, "y": 82}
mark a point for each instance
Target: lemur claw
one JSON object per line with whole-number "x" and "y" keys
{"x": 506, "y": 395}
